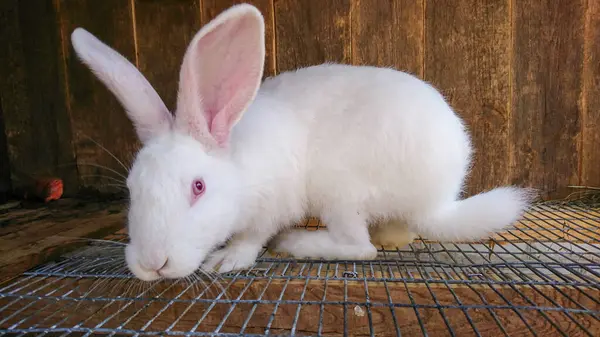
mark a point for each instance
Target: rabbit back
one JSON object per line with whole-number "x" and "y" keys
{"x": 375, "y": 139}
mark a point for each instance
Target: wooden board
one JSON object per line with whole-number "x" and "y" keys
{"x": 163, "y": 31}
{"x": 467, "y": 57}
{"x": 590, "y": 168}
{"x": 525, "y": 76}
{"x": 389, "y": 34}
{"x": 211, "y": 8}
{"x": 37, "y": 234}
{"x": 156, "y": 313}
{"x": 312, "y": 32}
{"x": 5, "y": 185}
{"x": 95, "y": 112}
{"x": 37, "y": 124}
{"x": 547, "y": 56}
{"x": 8, "y": 25}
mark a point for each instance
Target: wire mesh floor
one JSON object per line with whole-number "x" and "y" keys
{"x": 539, "y": 279}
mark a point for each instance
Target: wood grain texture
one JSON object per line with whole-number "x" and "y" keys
{"x": 530, "y": 94}
{"x": 388, "y": 33}
{"x": 312, "y": 32}
{"x": 9, "y": 26}
{"x": 467, "y": 57}
{"x": 32, "y": 234}
{"x": 547, "y": 76}
{"x": 164, "y": 29}
{"x": 38, "y": 130}
{"x": 590, "y": 168}
{"x": 95, "y": 112}
{"x": 212, "y": 8}
{"x": 5, "y": 185}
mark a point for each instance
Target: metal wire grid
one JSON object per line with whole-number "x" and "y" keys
{"x": 541, "y": 278}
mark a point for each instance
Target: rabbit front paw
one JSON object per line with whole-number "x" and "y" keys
{"x": 231, "y": 258}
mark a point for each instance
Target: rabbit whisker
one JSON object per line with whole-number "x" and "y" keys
{"x": 104, "y": 167}
{"x": 120, "y": 181}
{"x": 107, "y": 151}
{"x": 91, "y": 240}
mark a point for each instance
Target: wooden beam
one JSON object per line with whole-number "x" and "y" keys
{"x": 590, "y": 168}
{"x": 545, "y": 125}
{"x": 388, "y": 34}
{"x": 467, "y": 57}
{"x": 5, "y": 185}
{"x": 98, "y": 119}
{"x": 312, "y": 32}
{"x": 37, "y": 124}
{"x": 163, "y": 31}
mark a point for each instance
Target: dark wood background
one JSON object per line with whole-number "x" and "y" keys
{"x": 524, "y": 74}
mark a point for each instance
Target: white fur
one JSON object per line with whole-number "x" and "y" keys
{"x": 351, "y": 145}
{"x": 143, "y": 105}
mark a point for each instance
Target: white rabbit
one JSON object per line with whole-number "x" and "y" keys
{"x": 351, "y": 145}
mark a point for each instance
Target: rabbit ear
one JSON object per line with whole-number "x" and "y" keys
{"x": 144, "y": 107}
{"x": 220, "y": 75}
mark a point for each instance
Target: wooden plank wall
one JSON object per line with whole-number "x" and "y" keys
{"x": 5, "y": 185}
{"x": 525, "y": 75}
{"x": 32, "y": 87}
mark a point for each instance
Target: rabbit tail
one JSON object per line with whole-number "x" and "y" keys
{"x": 478, "y": 216}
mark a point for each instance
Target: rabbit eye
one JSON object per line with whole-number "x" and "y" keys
{"x": 198, "y": 187}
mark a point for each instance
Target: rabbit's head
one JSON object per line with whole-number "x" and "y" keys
{"x": 183, "y": 186}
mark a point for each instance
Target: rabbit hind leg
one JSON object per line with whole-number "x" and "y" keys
{"x": 391, "y": 233}
{"x": 346, "y": 238}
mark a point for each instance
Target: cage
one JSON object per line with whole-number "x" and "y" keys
{"x": 539, "y": 278}
{"x": 524, "y": 76}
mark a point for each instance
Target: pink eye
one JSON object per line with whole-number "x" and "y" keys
{"x": 198, "y": 187}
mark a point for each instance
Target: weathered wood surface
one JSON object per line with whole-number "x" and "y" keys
{"x": 36, "y": 123}
{"x": 470, "y": 64}
{"x": 547, "y": 54}
{"x": 155, "y": 313}
{"x": 163, "y": 31}
{"x": 590, "y": 147}
{"x": 98, "y": 119}
{"x": 5, "y": 184}
{"x": 33, "y": 234}
{"x": 524, "y": 75}
{"x": 388, "y": 34}
{"x": 309, "y": 34}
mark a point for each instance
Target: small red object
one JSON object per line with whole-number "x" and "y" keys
{"x": 48, "y": 189}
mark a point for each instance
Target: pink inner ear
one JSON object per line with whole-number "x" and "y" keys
{"x": 226, "y": 69}
{"x": 236, "y": 96}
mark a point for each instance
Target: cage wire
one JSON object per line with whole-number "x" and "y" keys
{"x": 540, "y": 278}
